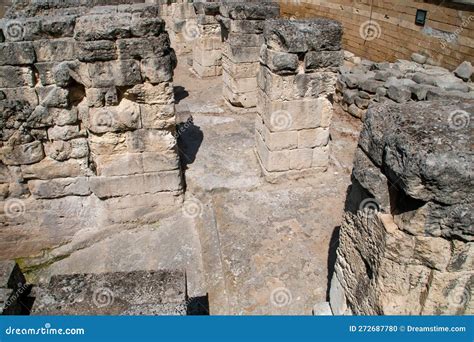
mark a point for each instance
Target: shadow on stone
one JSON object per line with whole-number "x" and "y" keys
{"x": 333, "y": 244}
{"x": 180, "y": 93}
{"x": 198, "y": 306}
{"x": 190, "y": 138}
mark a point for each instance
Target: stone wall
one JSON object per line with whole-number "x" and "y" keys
{"x": 242, "y": 29}
{"x": 296, "y": 81}
{"x": 386, "y": 31}
{"x": 88, "y": 123}
{"x": 407, "y": 242}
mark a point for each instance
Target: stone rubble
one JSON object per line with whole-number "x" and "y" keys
{"x": 406, "y": 242}
{"x": 296, "y": 83}
{"x": 362, "y": 83}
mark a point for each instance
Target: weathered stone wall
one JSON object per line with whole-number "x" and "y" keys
{"x": 242, "y": 29}
{"x": 406, "y": 242}
{"x": 296, "y": 81}
{"x": 88, "y": 122}
{"x": 386, "y": 31}
{"x": 364, "y": 83}
{"x": 207, "y": 48}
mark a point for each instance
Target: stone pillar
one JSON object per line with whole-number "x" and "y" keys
{"x": 242, "y": 26}
{"x": 207, "y": 48}
{"x": 296, "y": 83}
{"x": 406, "y": 243}
{"x": 181, "y": 25}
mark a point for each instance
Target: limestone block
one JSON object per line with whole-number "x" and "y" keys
{"x": 56, "y": 188}
{"x": 245, "y": 40}
{"x": 136, "y": 163}
{"x": 433, "y": 252}
{"x": 297, "y": 114}
{"x": 399, "y": 94}
{"x": 246, "y": 100}
{"x": 450, "y": 294}
{"x": 301, "y": 158}
{"x": 462, "y": 256}
{"x": 316, "y": 137}
{"x": 106, "y": 187}
{"x": 67, "y": 132}
{"x": 247, "y": 26}
{"x": 337, "y": 297}
{"x": 49, "y": 168}
{"x": 114, "y": 73}
{"x": 12, "y": 77}
{"x": 208, "y": 43}
{"x": 240, "y": 70}
{"x": 63, "y": 49}
{"x": 279, "y": 62}
{"x": 23, "y": 154}
{"x": 370, "y": 85}
{"x": 17, "y": 53}
{"x": 241, "y": 54}
{"x": 47, "y": 27}
{"x": 26, "y": 94}
{"x": 157, "y": 116}
{"x": 240, "y": 85}
{"x": 146, "y": 26}
{"x": 62, "y": 150}
{"x": 209, "y": 71}
{"x": 99, "y": 50}
{"x": 303, "y": 35}
{"x": 207, "y": 57}
{"x": 53, "y": 96}
{"x": 277, "y": 141}
{"x": 314, "y": 60}
{"x": 272, "y": 160}
{"x": 278, "y": 87}
{"x": 39, "y": 118}
{"x": 250, "y": 11}
{"x": 157, "y": 70}
{"x": 125, "y": 116}
{"x": 320, "y": 157}
{"x": 45, "y": 72}
{"x": 150, "y": 140}
{"x": 103, "y": 27}
{"x": 138, "y": 48}
{"x": 108, "y": 143}
{"x": 151, "y": 94}
{"x": 63, "y": 116}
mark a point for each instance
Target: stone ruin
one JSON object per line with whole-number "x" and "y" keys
{"x": 406, "y": 241}
{"x": 89, "y": 143}
{"x": 296, "y": 83}
{"x": 364, "y": 83}
{"x": 88, "y": 131}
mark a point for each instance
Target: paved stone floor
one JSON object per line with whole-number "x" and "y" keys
{"x": 254, "y": 247}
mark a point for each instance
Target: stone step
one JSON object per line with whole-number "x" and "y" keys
{"x": 117, "y": 293}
